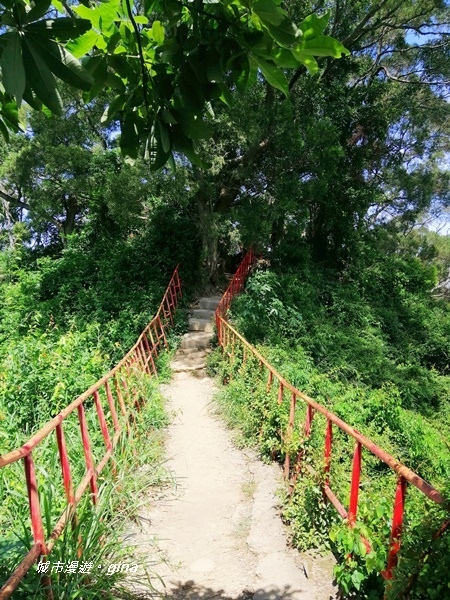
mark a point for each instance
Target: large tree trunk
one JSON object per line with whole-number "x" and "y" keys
{"x": 209, "y": 237}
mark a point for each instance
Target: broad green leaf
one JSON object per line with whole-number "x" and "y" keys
{"x": 31, "y": 99}
{"x": 158, "y": 32}
{"x": 214, "y": 71}
{"x": 306, "y": 59}
{"x": 10, "y": 114}
{"x": 286, "y": 33}
{"x": 164, "y": 136}
{"x": 129, "y": 139}
{"x": 196, "y": 129}
{"x": 269, "y": 12}
{"x": 112, "y": 111}
{"x": 168, "y": 117}
{"x": 13, "y": 71}
{"x": 274, "y": 76}
{"x": 58, "y": 5}
{"x": 226, "y": 96}
{"x": 4, "y": 130}
{"x": 141, "y": 20}
{"x": 83, "y": 44}
{"x": 115, "y": 82}
{"x": 39, "y": 10}
{"x": 98, "y": 68}
{"x": 65, "y": 66}
{"x": 313, "y": 25}
{"x": 62, "y": 29}
{"x": 323, "y": 45}
{"x": 185, "y": 145}
{"x": 91, "y": 14}
{"x": 285, "y": 58}
{"x": 357, "y": 579}
{"x": 108, "y": 14}
{"x": 40, "y": 77}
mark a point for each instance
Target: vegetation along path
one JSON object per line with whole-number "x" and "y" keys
{"x": 217, "y": 528}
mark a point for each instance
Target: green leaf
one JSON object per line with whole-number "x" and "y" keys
{"x": 129, "y": 139}
{"x": 108, "y": 14}
{"x": 4, "y": 130}
{"x": 306, "y": 59}
{"x": 31, "y": 99}
{"x": 10, "y": 114}
{"x": 112, "y": 111}
{"x": 98, "y": 69}
{"x": 286, "y": 33}
{"x": 285, "y": 58}
{"x": 164, "y": 136}
{"x": 91, "y": 14}
{"x": 62, "y": 29}
{"x": 313, "y": 25}
{"x": 83, "y": 44}
{"x": 40, "y": 77}
{"x": 158, "y": 32}
{"x": 274, "y": 76}
{"x": 195, "y": 128}
{"x": 13, "y": 70}
{"x": 323, "y": 45}
{"x": 357, "y": 579}
{"x": 65, "y": 66}
{"x": 183, "y": 144}
{"x": 39, "y": 10}
{"x": 269, "y": 12}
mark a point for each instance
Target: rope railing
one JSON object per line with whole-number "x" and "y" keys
{"x": 229, "y": 338}
{"x": 114, "y": 389}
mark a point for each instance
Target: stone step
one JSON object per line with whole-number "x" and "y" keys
{"x": 197, "y": 339}
{"x": 190, "y": 351}
{"x": 209, "y": 303}
{"x": 186, "y": 363}
{"x": 202, "y": 313}
{"x": 201, "y": 325}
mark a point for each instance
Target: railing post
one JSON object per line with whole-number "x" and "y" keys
{"x": 65, "y": 465}
{"x": 397, "y": 525}
{"x": 287, "y": 460}
{"x": 327, "y": 452}
{"x": 354, "y": 491}
{"x": 163, "y": 332}
{"x": 308, "y": 421}
{"x": 269, "y": 381}
{"x": 150, "y": 353}
{"x": 88, "y": 453}
{"x": 33, "y": 501}
{"x": 280, "y": 392}
{"x": 112, "y": 407}
{"x": 102, "y": 420}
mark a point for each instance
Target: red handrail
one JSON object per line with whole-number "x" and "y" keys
{"x": 141, "y": 356}
{"x": 228, "y": 336}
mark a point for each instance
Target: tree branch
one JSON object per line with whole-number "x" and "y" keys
{"x": 14, "y": 201}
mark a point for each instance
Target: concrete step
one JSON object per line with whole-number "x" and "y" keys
{"x": 190, "y": 351}
{"x": 201, "y": 325}
{"x": 209, "y": 303}
{"x": 202, "y": 313}
{"x": 187, "y": 363}
{"x": 197, "y": 339}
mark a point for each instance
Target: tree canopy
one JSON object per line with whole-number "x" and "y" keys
{"x": 163, "y": 61}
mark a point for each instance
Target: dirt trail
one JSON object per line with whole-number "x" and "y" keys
{"x": 217, "y": 529}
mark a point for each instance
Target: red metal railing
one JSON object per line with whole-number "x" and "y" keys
{"x": 228, "y": 337}
{"x": 141, "y": 356}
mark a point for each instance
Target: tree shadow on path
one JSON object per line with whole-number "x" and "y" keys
{"x": 190, "y": 590}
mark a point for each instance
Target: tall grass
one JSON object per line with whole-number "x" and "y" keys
{"x": 97, "y": 534}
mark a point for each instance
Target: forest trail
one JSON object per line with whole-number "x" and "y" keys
{"x": 216, "y": 529}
